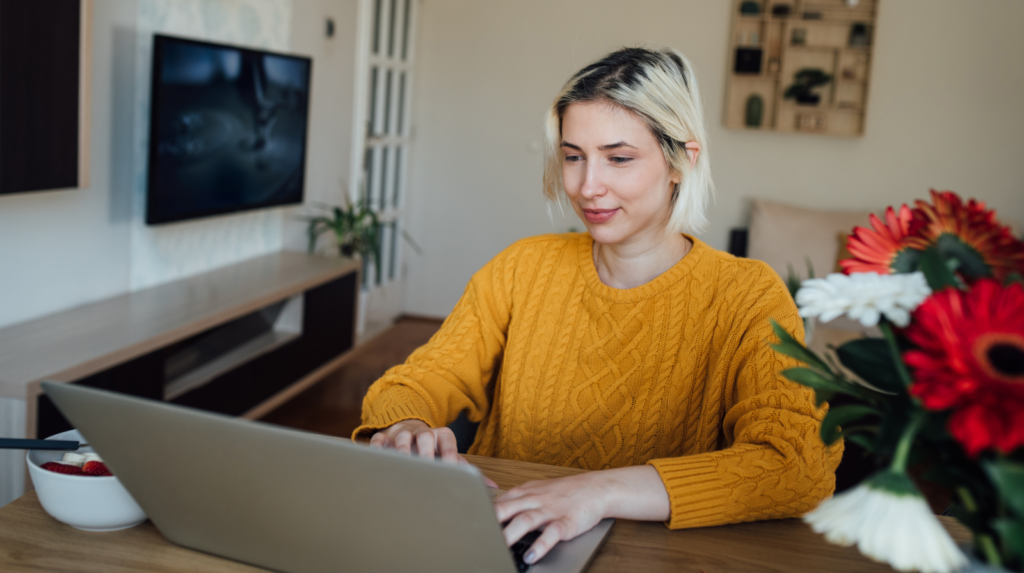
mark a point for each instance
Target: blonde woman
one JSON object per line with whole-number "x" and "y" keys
{"x": 634, "y": 349}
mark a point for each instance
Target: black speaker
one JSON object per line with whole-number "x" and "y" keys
{"x": 39, "y": 85}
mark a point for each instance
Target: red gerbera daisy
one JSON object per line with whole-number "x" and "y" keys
{"x": 970, "y": 358}
{"x": 886, "y": 248}
{"x": 971, "y": 234}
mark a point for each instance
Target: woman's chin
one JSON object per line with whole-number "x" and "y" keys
{"x": 605, "y": 234}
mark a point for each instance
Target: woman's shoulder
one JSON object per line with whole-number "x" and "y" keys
{"x": 740, "y": 277}
{"x": 546, "y": 251}
{"x": 533, "y": 249}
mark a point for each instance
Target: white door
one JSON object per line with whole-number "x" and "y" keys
{"x": 380, "y": 157}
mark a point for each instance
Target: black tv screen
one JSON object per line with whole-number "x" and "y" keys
{"x": 227, "y": 129}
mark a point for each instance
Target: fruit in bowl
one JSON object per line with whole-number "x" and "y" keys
{"x": 79, "y": 490}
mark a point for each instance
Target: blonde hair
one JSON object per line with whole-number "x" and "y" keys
{"x": 660, "y": 88}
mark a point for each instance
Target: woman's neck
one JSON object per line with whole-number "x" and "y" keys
{"x": 629, "y": 265}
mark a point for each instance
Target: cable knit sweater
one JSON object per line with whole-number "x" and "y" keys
{"x": 561, "y": 369}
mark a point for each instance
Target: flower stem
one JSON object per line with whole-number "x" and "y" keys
{"x": 894, "y": 350}
{"x": 967, "y": 499}
{"x": 899, "y": 459}
{"x": 988, "y": 547}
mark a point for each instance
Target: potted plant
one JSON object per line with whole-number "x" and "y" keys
{"x": 943, "y": 387}
{"x": 355, "y": 230}
{"x": 803, "y": 86}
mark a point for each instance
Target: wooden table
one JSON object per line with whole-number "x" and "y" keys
{"x": 30, "y": 540}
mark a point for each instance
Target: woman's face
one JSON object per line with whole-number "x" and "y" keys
{"x": 615, "y": 173}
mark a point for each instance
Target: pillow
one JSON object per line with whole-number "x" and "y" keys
{"x": 782, "y": 235}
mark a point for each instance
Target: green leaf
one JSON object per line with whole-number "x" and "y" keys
{"x": 824, "y": 388}
{"x": 836, "y": 417}
{"x": 790, "y": 347}
{"x": 1008, "y": 477}
{"x": 861, "y": 440}
{"x": 792, "y": 281}
{"x": 1011, "y": 533}
{"x": 938, "y": 275}
{"x": 870, "y": 359}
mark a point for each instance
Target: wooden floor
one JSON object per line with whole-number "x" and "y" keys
{"x": 332, "y": 405}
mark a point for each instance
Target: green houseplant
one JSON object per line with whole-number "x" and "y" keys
{"x": 804, "y": 82}
{"x": 356, "y": 231}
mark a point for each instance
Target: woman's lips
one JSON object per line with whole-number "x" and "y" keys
{"x": 599, "y": 215}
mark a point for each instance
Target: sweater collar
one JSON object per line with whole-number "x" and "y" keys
{"x": 660, "y": 283}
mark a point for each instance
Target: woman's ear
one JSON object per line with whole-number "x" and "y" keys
{"x": 692, "y": 151}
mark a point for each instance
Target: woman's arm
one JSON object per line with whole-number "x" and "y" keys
{"x": 570, "y": 506}
{"x": 451, "y": 372}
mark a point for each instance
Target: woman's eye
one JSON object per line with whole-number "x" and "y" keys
{"x": 573, "y": 158}
{"x": 620, "y": 160}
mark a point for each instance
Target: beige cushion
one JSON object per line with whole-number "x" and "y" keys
{"x": 783, "y": 234}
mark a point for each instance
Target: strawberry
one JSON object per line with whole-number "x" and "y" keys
{"x": 96, "y": 469}
{"x": 63, "y": 468}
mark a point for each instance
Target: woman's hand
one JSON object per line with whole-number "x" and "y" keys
{"x": 570, "y": 506}
{"x": 427, "y": 442}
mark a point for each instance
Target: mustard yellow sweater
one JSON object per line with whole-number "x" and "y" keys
{"x": 562, "y": 369}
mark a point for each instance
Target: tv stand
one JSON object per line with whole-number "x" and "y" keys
{"x": 239, "y": 340}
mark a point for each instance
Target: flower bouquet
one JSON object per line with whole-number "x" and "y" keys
{"x": 943, "y": 387}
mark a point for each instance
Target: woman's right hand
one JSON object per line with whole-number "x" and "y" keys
{"x": 410, "y": 435}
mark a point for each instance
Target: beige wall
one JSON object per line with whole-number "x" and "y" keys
{"x": 329, "y": 140}
{"x": 946, "y": 110}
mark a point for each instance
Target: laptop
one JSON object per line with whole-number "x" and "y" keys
{"x": 299, "y": 502}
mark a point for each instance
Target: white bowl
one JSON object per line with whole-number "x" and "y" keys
{"x": 89, "y": 503}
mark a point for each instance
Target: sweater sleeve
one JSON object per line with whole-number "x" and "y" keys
{"x": 452, "y": 371}
{"x": 772, "y": 463}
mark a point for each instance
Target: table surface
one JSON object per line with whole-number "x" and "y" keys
{"x": 30, "y": 540}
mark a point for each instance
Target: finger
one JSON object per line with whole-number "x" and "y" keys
{"x": 507, "y": 509}
{"x": 403, "y": 442}
{"x": 524, "y": 523}
{"x": 514, "y": 493}
{"x": 447, "y": 445}
{"x": 553, "y": 533}
{"x": 425, "y": 444}
{"x": 381, "y": 440}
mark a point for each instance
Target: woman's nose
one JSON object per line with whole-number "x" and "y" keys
{"x": 592, "y": 186}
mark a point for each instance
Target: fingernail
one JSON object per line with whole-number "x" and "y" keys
{"x": 530, "y": 557}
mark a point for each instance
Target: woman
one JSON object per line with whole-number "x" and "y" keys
{"x": 634, "y": 349}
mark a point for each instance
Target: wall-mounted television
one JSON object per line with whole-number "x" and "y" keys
{"x": 227, "y": 129}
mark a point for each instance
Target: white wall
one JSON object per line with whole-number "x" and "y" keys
{"x": 329, "y": 142}
{"x": 60, "y": 249}
{"x": 944, "y": 111}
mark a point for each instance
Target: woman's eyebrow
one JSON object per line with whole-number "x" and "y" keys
{"x": 615, "y": 145}
{"x": 605, "y": 147}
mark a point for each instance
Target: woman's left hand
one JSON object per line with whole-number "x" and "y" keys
{"x": 570, "y": 506}
{"x": 563, "y": 507}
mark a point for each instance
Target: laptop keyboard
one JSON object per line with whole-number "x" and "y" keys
{"x": 520, "y": 547}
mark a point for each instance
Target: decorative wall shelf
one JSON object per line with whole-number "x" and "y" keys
{"x": 828, "y": 42}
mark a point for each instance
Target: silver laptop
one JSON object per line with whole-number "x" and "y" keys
{"x": 298, "y": 502}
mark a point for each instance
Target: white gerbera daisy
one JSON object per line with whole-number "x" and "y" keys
{"x": 888, "y": 520}
{"x": 864, "y": 297}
